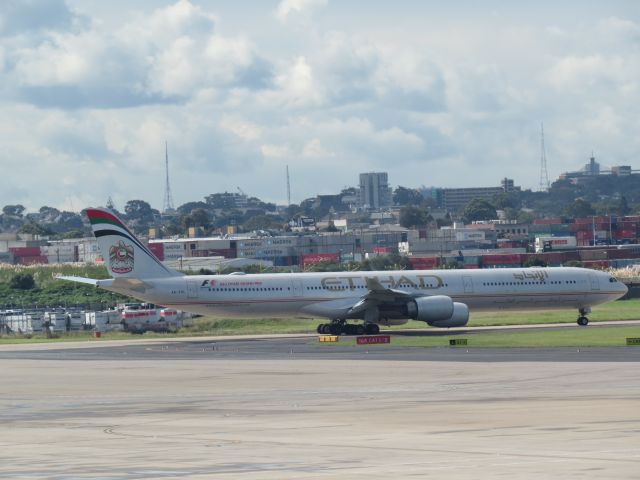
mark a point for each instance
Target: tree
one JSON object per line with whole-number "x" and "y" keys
{"x": 137, "y": 209}
{"x": 477, "y": 210}
{"x": 414, "y": 217}
{"x": 74, "y": 233}
{"x": 22, "y": 281}
{"x": 187, "y": 208}
{"x": 622, "y": 207}
{"x": 579, "y": 208}
{"x": 49, "y": 214}
{"x": 261, "y": 222}
{"x": 525, "y": 216}
{"x": 140, "y": 213}
{"x": 13, "y": 210}
{"x": 34, "y": 229}
{"x": 407, "y": 196}
{"x": 200, "y": 218}
{"x": 393, "y": 261}
{"x": 510, "y": 213}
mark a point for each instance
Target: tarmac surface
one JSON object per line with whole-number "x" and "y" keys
{"x": 287, "y": 407}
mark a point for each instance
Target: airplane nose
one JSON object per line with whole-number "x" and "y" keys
{"x": 624, "y": 289}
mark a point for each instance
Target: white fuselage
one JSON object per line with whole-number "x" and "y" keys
{"x": 261, "y": 295}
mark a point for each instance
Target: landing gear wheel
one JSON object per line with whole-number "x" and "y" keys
{"x": 326, "y": 328}
{"x": 335, "y": 329}
{"x": 359, "y": 329}
{"x": 583, "y": 321}
{"x": 371, "y": 329}
{"x": 319, "y": 328}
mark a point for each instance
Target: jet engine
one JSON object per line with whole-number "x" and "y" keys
{"x": 459, "y": 318}
{"x": 439, "y": 311}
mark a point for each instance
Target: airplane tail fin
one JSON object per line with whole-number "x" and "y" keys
{"x": 124, "y": 255}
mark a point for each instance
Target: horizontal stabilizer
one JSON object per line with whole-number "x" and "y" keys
{"x": 89, "y": 281}
{"x": 133, "y": 284}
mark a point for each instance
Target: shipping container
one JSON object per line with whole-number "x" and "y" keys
{"x": 173, "y": 255}
{"x": 103, "y": 321}
{"x": 584, "y": 235}
{"x": 502, "y": 259}
{"x": 60, "y": 258}
{"x": 285, "y": 261}
{"x": 506, "y": 265}
{"x": 424, "y": 263}
{"x": 625, "y": 234}
{"x": 172, "y": 246}
{"x": 25, "y": 251}
{"x": 315, "y": 258}
{"x": 593, "y": 255}
{"x": 157, "y": 248}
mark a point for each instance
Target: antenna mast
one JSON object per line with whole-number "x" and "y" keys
{"x": 168, "y": 199}
{"x": 288, "y": 188}
{"x": 544, "y": 175}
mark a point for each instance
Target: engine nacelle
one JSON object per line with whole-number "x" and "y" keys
{"x": 459, "y": 318}
{"x": 439, "y": 311}
{"x": 436, "y": 308}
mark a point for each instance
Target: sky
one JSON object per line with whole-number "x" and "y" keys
{"x": 448, "y": 94}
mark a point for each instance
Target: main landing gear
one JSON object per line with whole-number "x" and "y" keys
{"x": 340, "y": 326}
{"x": 583, "y": 321}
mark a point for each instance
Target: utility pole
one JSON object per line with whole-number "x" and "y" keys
{"x": 288, "y": 188}
{"x": 544, "y": 175}
{"x": 168, "y": 199}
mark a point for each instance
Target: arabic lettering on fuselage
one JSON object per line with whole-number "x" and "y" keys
{"x": 410, "y": 281}
{"x": 536, "y": 275}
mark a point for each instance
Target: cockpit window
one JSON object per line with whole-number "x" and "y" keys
{"x": 612, "y": 280}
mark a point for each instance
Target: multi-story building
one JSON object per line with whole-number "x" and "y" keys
{"x": 374, "y": 192}
{"x": 455, "y": 199}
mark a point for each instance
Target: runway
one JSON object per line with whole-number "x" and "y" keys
{"x": 280, "y": 408}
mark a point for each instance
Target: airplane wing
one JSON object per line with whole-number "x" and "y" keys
{"x": 376, "y": 295}
{"x": 349, "y": 307}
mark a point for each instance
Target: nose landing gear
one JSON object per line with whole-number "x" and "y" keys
{"x": 583, "y": 321}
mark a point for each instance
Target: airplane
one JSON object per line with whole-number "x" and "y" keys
{"x": 441, "y": 298}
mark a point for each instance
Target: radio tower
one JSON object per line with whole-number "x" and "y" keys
{"x": 168, "y": 199}
{"x": 544, "y": 175}
{"x": 288, "y": 188}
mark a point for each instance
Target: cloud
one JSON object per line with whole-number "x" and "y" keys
{"x": 315, "y": 149}
{"x": 297, "y": 8}
{"x": 21, "y": 17}
{"x": 275, "y": 151}
{"x": 243, "y": 129}
{"x": 169, "y": 56}
{"x": 424, "y": 96}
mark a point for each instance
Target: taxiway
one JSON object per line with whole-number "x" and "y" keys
{"x": 277, "y": 408}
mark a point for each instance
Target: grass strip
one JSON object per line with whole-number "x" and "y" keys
{"x": 574, "y": 337}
